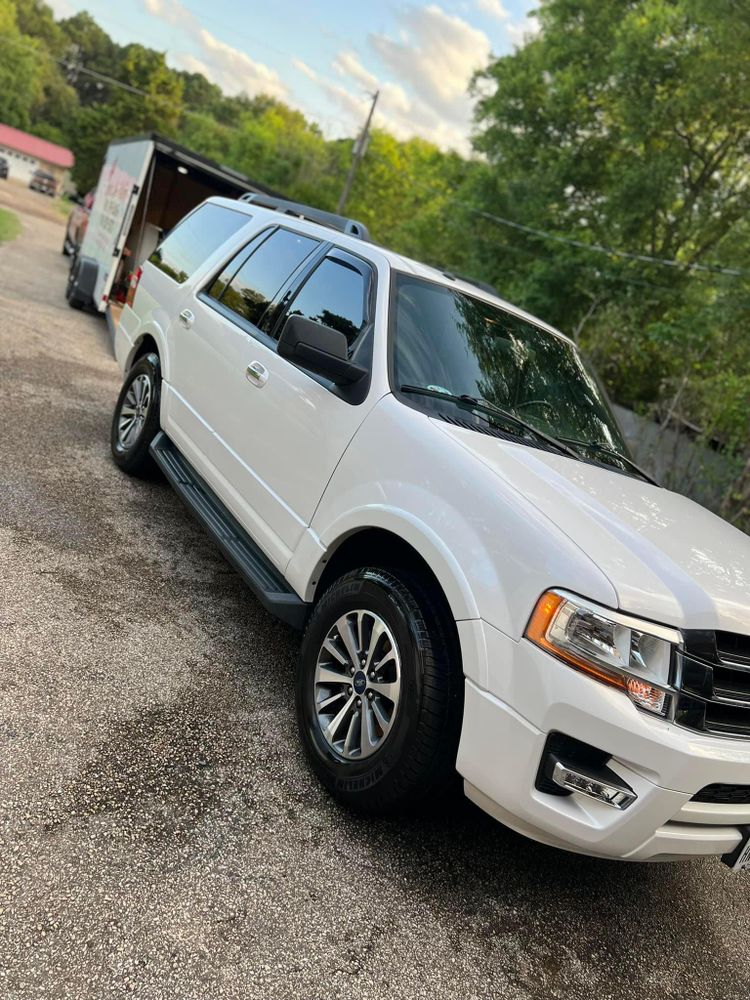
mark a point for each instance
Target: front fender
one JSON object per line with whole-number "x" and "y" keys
{"x": 313, "y": 551}
{"x": 134, "y": 327}
{"x": 491, "y": 549}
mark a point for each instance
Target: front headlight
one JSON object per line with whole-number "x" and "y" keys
{"x": 625, "y": 652}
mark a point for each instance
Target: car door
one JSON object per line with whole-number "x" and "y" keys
{"x": 211, "y": 327}
{"x": 282, "y": 430}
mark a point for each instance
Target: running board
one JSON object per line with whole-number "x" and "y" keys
{"x": 268, "y": 585}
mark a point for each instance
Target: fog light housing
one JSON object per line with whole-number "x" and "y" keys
{"x": 570, "y": 766}
{"x": 618, "y": 795}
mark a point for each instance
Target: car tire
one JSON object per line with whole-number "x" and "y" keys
{"x": 135, "y": 422}
{"x": 406, "y": 753}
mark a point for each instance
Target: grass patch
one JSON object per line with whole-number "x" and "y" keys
{"x": 10, "y": 226}
{"x": 64, "y": 205}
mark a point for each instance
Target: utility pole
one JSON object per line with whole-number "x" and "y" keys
{"x": 360, "y": 148}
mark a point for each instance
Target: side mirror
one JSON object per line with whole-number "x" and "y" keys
{"x": 319, "y": 349}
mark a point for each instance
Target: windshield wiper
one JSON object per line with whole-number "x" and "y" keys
{"x": 485, "y": 406}
{"x": 602, "y": 449}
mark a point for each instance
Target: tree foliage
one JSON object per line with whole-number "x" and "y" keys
{"x": 624, "y": 125}
{"x": 627, "y": 124}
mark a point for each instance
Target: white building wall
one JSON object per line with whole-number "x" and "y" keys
{"x": 21, "y": 166}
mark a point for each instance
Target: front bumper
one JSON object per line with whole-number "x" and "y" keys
{"x": 529, "y": 694}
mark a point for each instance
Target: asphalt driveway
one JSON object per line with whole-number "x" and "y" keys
{"x": 160, "y": 835}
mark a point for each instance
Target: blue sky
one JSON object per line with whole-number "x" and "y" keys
{"x": 325, "y": 57}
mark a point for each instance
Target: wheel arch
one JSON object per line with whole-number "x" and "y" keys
{"x": 383, "y": 534}
{"x": 149, "y": 339}
{"x": 373, "y": 546}
{"x": 146, "y": 345}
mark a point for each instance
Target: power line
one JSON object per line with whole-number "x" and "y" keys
{"x": 579, "y": 265}
{"x": 483, "y": 213}
{"x": 73, "y": 65}
{"x": 610, "y": 251}
{"x": 580, "y": 244}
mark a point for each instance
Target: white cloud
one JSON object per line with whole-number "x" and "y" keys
{"x": 430, "y": 63}
{"x": 520, "y": 32}
{"x": 422, "y": 72}
{"x": 233, "y": 70}
{"x": 304, "y": 69}
{"x": 347, "y": 64}
{"x": 494, "y": 8}
{"x": 437, "y": 54}
{"x": 61, "y": 8}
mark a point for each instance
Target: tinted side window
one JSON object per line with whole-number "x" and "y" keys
{"x": 334, "y": 295}
{"x": 257, "y": 282}
{"x": 196, "y": 238}
{"x": 216, "y": 289}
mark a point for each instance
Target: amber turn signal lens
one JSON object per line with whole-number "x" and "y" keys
{"x": 542, "y": 617}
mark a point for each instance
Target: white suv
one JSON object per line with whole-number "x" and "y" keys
{"x": 431, "y": 484}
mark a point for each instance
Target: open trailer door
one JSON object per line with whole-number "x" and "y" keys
{"x": 147, "y": 184}
{"x": 124, "y": 171}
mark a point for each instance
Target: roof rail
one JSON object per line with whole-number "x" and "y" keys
{"x": 349, "y": 226}
{"x": 484, "y": 285}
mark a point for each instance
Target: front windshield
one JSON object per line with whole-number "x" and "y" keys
{"x": 445, "y": 340}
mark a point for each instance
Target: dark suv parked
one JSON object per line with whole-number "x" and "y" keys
{"x": 44, "y": 182}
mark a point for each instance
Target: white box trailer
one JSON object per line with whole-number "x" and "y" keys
{"x": 146, "y": 185}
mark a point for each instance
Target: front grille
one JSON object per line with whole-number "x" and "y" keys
{"x": 713, "y": 677}
{"x": 735, "y": 795}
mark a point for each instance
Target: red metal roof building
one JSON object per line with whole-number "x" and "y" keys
{"x": 26, "y": 153}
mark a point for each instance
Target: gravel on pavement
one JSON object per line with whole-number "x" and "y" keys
{"x": 160, "y": 833}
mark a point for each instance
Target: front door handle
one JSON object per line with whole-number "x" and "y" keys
{"x": 256, "y": 374}
{"x": 186, "y": 318}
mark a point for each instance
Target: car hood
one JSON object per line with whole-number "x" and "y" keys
{"x": 668, "y": 558}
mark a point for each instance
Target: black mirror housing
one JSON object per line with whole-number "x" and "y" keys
{"x": 319, "y": 349}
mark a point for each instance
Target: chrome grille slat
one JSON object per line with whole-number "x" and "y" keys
{"x": 734, "y": 665}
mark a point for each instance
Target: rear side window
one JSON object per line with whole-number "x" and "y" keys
{"x": 196, "y": 238}
{"x": 260, "y": 278}
{"x": 334, "y": 295}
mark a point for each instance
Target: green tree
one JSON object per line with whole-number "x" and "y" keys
{"x": 405, "y": 192}
{"x": 627, "y": 124}
{"x": 624, "y": 124}
{"x": 153, "y": 104}
{"x": 275, "y": 144}
{"x": 21, "y": 59}
{"x": 89, "y": 46}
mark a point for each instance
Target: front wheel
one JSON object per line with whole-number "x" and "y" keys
{"x": 380, "y": 690}
{"x": 135, "y": 423}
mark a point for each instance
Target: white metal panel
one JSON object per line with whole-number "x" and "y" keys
{"x": 668, "y": 558}
{"x": 493, "y": 551}
{"x": 117, "y": 191}
{"x": 276, "y": 445}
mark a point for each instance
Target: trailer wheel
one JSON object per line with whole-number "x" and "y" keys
{"x": 81, "y": 282}
{"x": 74, "y": 297}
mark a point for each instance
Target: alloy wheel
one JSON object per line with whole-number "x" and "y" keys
{"x": 134, "y": 411}
{"x": 357, "y": 685}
